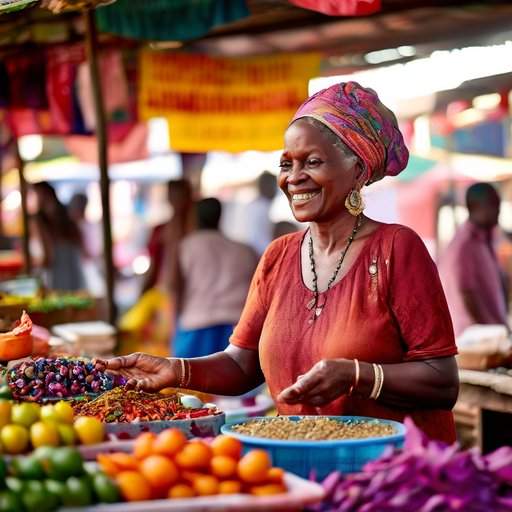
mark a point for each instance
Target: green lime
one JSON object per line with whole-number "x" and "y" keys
{"x": 65, "y": 462}
{"x": 56, "y": 489}
{"x": 36, "y": 498}
{"x": 27, "y": 468}
{"x": 104, "y": 489}
{"x": 5, "y": 392}
{"x": 14, "y": 484}
{"x": 10, "y": 502}
{"x": 78, "y": 492}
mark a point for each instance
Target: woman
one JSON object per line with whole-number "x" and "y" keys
{"x": 348, "y": 317}
{"x": 60, "y": 239}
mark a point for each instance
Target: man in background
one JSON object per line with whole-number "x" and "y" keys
{"x": 469, "y": 269}
{"x": 211, "y": 284}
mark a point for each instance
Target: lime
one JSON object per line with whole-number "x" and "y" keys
{"x": 25, "y": 414}
{"x": 5, "y": 412}
{"x": 36, "y": 498}
{"x": 5, "y": 392}
{"x": 44, "y": 434}
{"x": 56, "y": 489}
{"x": 27, "y": 468}
{"x": 64, "y": 412}
{"x": 67, "y": 434}
{"x": 14, "y": 439}
{"x": 89, "y": 430}
{"x": 78, "y": 492}
{"x": 105, "y": 489}
{"x": 43, "y": 454}
{"x": 14, "y": 484}
{"x": 10, "y": 502}
{"x": 65, "y": 462}
{"x": 49, "y": 414}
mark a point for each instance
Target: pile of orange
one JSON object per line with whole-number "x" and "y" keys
{"x": 167, "y": 465}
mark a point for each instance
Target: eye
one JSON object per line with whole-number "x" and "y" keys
{"x": 285, "y": 165}
{"x": 314, "y": 162}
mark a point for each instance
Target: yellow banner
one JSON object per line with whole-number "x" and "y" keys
{"x": 224, "y": 104}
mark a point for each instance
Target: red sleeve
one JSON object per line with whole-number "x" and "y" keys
{"x": 248, "y": 330}
{"x": 417, "y": 299}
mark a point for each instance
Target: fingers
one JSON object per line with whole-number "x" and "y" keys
{"x": 304, "y": 385}
{"x": 118, "y": 363}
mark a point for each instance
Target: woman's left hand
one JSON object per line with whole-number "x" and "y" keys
{"x": 327, "y": 380}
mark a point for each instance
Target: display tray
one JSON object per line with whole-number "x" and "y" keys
{"x": 203, "y": 426}
{"x": 300, "y": 493}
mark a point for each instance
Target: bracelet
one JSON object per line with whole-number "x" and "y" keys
{"x": 356, "y": 378}
{"x": 188, "y": 372}
{"x": 376, "y": 381}
{"x": 381, "y": 381}
{"x": 181, "y": 382}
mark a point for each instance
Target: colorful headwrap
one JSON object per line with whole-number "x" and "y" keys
{"x": 363, "y": 123}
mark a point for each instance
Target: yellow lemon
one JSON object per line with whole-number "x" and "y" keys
{"x": 44, "y": 434}
{"x": 89, "y": 430}
{"x": 14, "y": 438}
{"x": 64, "y": 412}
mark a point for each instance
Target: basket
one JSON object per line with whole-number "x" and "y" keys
{"x": 302, "y": 457}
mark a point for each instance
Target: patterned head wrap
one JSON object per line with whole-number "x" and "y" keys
{"x": 357, "y": 116}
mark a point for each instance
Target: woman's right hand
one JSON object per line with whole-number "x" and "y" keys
{"x": 142, "y": 371}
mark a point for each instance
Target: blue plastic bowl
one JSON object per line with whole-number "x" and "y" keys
{"x": 300, "y": 457}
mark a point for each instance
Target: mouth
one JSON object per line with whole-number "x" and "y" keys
{"x": 304, "y": 197}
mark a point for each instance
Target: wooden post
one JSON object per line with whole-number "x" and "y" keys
{"x": 24, "y": 211}
{"x": 102, "y": 140}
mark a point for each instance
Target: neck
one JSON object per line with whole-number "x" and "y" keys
{"x": 328, "y": 236}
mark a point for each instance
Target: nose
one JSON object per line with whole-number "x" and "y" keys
{"x": 296, "y": 175}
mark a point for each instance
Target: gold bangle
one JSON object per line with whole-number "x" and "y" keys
{"x": 381, "y": 381}
{"x": 183, "y": 372}
{"x": 353, "y": 387}
{"x": 375, "y": 380}
{"x": 188, "y": 372}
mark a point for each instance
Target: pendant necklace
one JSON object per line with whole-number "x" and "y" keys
{"x": 314, "y": 304}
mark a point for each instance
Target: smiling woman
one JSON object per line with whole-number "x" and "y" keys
{"x": 348, "y": 317}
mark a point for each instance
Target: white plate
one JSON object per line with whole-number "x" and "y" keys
{"x": 300, "y": 493}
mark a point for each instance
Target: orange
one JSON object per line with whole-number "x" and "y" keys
{"x": 194, "y": 455}
{"x": 133, "y": 486}
{"x": 275, "y": 475}
{"x": 124, "y": 461}
{"x": 267, "y": 490}
{"x": 230, "y": 487}
{"x": 143, "y": 445}
{"x": 253, "y": 467}
{"x": 206, "y": 485}
{"x": 107, "y": 465}
{"x": 225, "y": 445}
{"x": 159, "y": 471}
{"x": 223, "y": 467}
{"x": 169, "y": 442}
{"x": 190, "y": 476}
{"x": 181, "y": 491}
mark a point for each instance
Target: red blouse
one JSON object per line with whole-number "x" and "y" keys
{"x": 396, "y": 314}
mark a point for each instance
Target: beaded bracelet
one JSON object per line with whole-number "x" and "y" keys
{"x": 356, "y": 378}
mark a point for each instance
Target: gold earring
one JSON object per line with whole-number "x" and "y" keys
{"x": 354, "y": 203}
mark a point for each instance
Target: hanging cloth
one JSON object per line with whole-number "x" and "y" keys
{"x": 167, "y": 20}
{"x": 340, "y": 7}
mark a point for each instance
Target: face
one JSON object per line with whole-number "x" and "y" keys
{"x": 316, "y": 176}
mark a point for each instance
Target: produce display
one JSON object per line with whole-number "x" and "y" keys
{"x": 167, "y": 465}
{"x": 121, "y": 405}
{"x": 313, "y": 429}
{"x": 57, "y": 302}
{"x": 27, "y": 425}
{"x": 42, "y": 378}
{"x": 427, "y": 476}
{"x": 50, "y": 478}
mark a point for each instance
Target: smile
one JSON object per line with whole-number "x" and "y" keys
{"x": 297, "y": 198}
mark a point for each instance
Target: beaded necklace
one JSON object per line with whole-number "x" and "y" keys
{"x": 313, "y": 304}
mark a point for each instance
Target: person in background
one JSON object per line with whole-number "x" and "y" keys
{"x": 259, "y": 226}
{"x": 212, "y": 282}
{"x": 284, "y": 227}
{"x": 60, "y": 239}
{"x": 165, "y": 237}
{"x": 92, "y": 244}
{"x": 469, "y": 269}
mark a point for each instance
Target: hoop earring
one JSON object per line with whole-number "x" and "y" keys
{"x": 354, "y": 203}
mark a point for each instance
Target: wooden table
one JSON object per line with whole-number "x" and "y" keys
{"x": 488, "y": 413}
